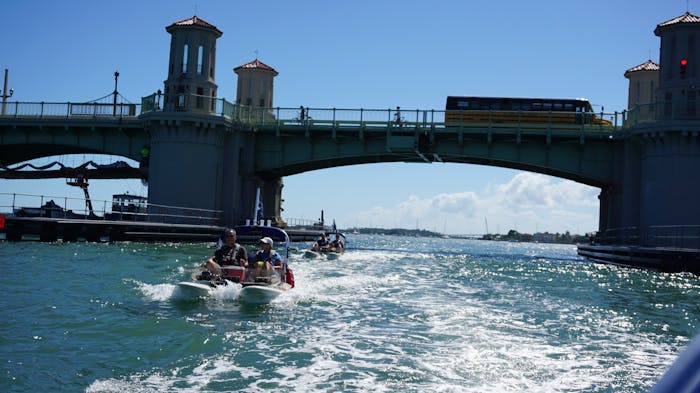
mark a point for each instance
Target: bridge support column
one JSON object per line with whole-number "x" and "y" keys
{"x": 199, "y": 162}
{"x": 185, "y": 170}
{"x": 271, "y": 194}
{"x": 651, "y": 201}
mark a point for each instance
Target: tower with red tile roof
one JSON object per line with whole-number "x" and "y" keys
{"x": 255, "y": 84}
{"x": 195, "y": 154}
{"x": 679, "y": 60}
{"x": 650, "y": 201}
{"x": 644, "y": 80}
{"x": 191, "y": 70}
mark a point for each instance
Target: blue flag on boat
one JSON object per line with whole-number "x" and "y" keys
{"x": 335, "y": 229}
{"x": 258, "y": 209}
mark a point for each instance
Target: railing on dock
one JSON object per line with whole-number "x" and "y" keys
{"x": 30, "y": 205}
{"x": 303, "y": 223}
{"x": 664, "y": 236}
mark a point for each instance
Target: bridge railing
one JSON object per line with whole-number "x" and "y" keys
{"x": 280, "y": 117}
{"x": 420, "y": 119}
{"x": 685, "y": 109}
{"x": 19, "y": 109}
{"x": 337, "y": 118}
{"x": 47, "y": 206}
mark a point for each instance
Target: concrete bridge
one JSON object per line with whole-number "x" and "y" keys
{"x": 275, "y": 142}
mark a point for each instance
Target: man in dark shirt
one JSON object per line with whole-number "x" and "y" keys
{"x": 230, "y": 254}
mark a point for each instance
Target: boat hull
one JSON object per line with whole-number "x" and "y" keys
{"x": 194, "y": 289}
{"x": 332, "y": 255}
{"x": 261, "y": 293}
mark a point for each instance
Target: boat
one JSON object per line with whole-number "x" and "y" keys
{"x": 330, "y": 248}
{"x": 256, "y": 285}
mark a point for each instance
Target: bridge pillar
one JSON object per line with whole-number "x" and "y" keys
{"x": 271, "y": 194}
{"x": 199, "y": 162}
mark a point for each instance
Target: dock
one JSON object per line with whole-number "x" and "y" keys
{"x": 666, "y": 259}
{"x": 48, "y": 229}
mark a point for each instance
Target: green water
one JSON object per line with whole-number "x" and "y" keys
{"x": 391, "y": 314}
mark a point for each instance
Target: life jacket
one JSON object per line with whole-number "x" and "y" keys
{"x": 259, "y": 256}
{"x": 230, "y": 256}
{"x": 286, "y": 274}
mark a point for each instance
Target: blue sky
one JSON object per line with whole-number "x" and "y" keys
{"x": 358, "y": 54}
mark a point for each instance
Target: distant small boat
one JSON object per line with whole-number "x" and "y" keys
{"x": 333, "y": 248}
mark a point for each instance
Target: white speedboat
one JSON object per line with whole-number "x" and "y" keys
{"x": 332, "y": 249}
{"x": 257, "y": 286}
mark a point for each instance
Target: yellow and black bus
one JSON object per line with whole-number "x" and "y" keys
{"x": 464, "y": 110}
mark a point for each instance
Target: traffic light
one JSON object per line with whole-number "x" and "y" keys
{"x": 684, "y": 65}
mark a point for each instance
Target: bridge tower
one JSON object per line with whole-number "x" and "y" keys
{"x": 255, "y": 84}
{"x": 255, "y": 87}
{"x": 655, "y": 180}
{"x": 644, "y": 80}
{"x": 198, "y": 160}
{"x": 679, "y": 58}
{"x": 191, "y": 70}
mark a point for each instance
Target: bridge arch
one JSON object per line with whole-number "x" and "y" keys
{"x": 566, "y": 155}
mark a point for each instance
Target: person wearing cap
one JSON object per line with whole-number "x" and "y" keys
{"x": 267, "y": 258}
{"x": 230, "y": 253}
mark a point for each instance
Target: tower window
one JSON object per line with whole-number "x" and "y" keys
{"x": 184, "y": 58}
{"x": 200, "y": 93}
{"x": 200, "y": 56}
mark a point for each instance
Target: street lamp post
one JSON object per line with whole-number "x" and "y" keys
{"x": 116, "y": 77}
{"x": 5, "y": 96}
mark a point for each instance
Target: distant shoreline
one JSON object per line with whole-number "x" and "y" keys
{"x": 512, "y": 235}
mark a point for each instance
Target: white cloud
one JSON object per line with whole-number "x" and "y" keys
{"x": 529, "y": 203}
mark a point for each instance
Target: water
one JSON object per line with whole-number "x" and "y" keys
{"x": 391, "y": 314}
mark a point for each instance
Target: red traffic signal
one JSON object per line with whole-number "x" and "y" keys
{"x": 684, "y": 64}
